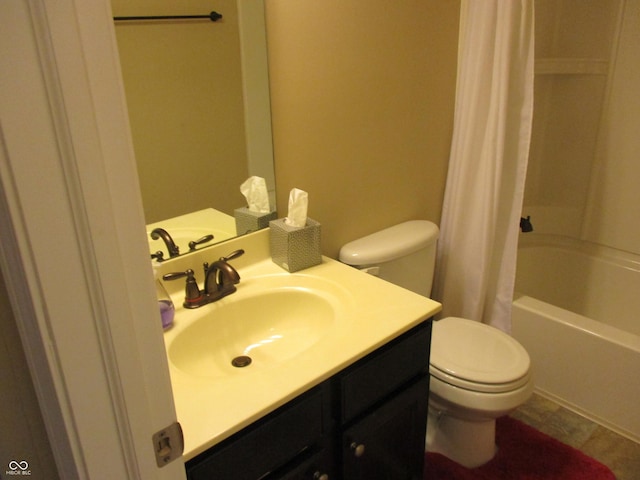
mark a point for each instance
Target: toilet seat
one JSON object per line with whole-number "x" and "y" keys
{"x": 476, "y": 386}
{"x": 477, "y": 357}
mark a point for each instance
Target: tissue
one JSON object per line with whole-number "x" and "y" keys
{"x": 255, "y": 191}
{"x": 298, "y": 204}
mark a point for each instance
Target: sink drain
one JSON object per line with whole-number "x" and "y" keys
{"x": 241, "y": 361}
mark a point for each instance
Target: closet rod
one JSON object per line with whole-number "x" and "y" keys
{"x": 213, "y": 16}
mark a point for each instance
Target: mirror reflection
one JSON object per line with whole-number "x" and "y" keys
{"x": 198, "y": 100}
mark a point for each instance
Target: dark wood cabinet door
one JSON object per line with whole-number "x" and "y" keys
{"x": 388, "y": 443}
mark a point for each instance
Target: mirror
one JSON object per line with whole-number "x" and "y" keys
{"x": 198, "y": 98}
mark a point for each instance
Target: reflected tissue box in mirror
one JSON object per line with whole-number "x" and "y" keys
{"x": 249, "y": 221}
{"x": 295, "y": 248}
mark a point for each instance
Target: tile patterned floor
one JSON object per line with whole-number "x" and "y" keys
{"x": 620, "y": 454}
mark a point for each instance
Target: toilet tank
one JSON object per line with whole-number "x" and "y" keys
{"x": 404, "y": 254}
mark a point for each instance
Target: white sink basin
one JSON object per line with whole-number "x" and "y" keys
{"x": 268, "y": 321}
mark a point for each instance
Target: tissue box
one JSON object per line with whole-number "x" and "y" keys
{"x": 295, "y": 248}
{"x": 248, "y": 221}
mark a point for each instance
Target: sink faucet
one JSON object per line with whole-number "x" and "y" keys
{"x": 220, "y": 276}
{"x": 220, "y": 280}
{"x": 173, "y": 249}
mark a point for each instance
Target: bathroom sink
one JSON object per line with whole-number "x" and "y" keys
{"x": 268, "y": 321}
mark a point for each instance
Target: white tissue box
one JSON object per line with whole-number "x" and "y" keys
{"x": 248, "y": 221}
{"x": 295, "y": 248}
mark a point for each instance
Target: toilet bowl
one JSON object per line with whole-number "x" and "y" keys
{"x": 478, "y": 373}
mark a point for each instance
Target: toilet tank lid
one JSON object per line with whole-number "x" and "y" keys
{"x": 390, "y": 243}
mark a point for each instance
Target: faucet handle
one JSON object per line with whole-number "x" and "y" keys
{"x": 159, "y": 256}
{"x": 192, "y": 293}
{"x": 232, "y": 255}
{"x": 193, "y": 244}
{"x": 233, "y": 274}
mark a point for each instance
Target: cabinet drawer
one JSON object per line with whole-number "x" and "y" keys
{"x": 384, "y": 371}
{"x": 266, "y": 445}
{"x": 312, "y": 467}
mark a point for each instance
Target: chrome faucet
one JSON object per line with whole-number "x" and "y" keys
{"x": 220, "y": 280}
{"x": 173, "y": 249}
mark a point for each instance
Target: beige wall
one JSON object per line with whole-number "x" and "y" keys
{"x": 362, "y": 102}
{"x": 22, "y": 433}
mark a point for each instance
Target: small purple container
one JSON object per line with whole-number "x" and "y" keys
{"x": 167, "y": 312}
{"x": 167, "y": 309}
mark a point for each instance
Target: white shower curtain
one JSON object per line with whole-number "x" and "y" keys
{"x": 485, "y": 184}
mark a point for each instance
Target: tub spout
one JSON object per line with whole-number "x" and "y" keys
{"x": 525, "y": 224}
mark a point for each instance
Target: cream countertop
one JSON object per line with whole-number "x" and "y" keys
{"x": 212, "y": 409}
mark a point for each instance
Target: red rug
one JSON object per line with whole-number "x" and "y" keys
{"x": 524, "y": 453}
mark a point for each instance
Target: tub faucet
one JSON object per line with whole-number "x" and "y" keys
{"x": 173, "y": 249}
{"x": 525, "y": 224}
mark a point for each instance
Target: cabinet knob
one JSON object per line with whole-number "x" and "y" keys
{"x": 357, "y": 448}
{"x": 320, "y": 476}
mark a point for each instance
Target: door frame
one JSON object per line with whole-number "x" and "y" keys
{"x": 74, "y": 252}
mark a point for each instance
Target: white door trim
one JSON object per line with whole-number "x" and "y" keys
{"x": 74, "y": 253}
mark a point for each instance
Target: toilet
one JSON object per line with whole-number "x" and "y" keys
{"x": 477, "y": 372}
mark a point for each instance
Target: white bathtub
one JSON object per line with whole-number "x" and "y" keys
{"x": 577, "y": 312}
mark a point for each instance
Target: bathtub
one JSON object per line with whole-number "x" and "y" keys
{"x": 577, "y": 312}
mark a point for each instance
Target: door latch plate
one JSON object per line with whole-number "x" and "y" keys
{"x": 168, "y": 444}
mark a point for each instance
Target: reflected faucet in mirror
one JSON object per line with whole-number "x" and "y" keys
{"x": 202, "y": 240}
{"x": 172, "y": 248}
{"x": 186, "y": 233}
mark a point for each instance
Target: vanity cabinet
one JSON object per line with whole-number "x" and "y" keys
{"x": 366, "y": 422}
{"x": 383, "y": 410}
{"x": 286, "y": 442}
{"x": 389, "y": 442}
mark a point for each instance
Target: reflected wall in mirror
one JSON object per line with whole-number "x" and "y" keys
{"x": 198, "y": 100}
